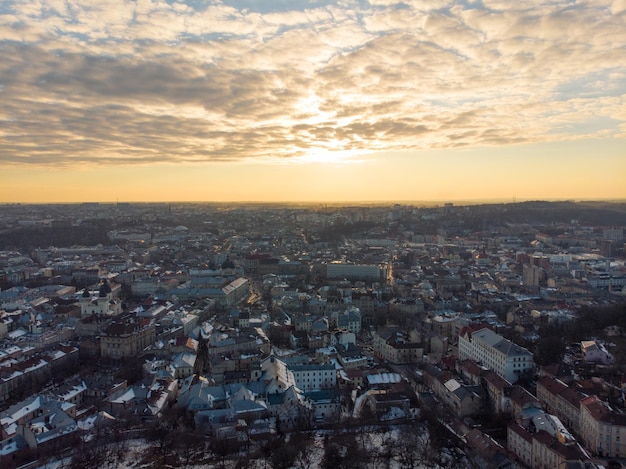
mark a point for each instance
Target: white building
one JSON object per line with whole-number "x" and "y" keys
{"x": 493, "y": 351}
{"x": 595, "y": 352}
{"x": 314, "y": 377}
{"x": 103, "y": 303}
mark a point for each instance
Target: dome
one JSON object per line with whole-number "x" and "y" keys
{"x": 105, "y": 289}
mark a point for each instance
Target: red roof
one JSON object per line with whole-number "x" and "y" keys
{"x": 470, "y": 329}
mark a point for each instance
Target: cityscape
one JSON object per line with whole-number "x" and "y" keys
{"x": 231, "y": 335}
{"x": 313, "y": 234}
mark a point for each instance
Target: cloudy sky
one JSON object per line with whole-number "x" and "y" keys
{"x": 292, "y": 100}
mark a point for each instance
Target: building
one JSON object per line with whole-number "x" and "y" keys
{"x": 395, "y": 346}
{"x": 351, "y": 356}
{"x": 532, "y": 275}
{"x": 613, "y": 234}
{"x": 602, "y": 430}
{"x": 493, "y": 351}
{"x": 325, "y": 405}
{"x": 354, "y": 271}
{"x": 594, "y": 352}
{"x": 226, "y": 292}
{"x": 127, "y": 337}
{"x": 542, "y": 449}
{"x": 561, "y": 400}
{"x": 245, "y": 340}
{"x": 520, "y": 442}
{"x": 444, "y": 323}
{"x": 313, "y": 377}
{"x": 183, "y": 365}
{"x": 349, "y": 320}
{"x": 104, "y": 303}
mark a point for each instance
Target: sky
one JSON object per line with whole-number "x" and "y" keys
{"x": 296, "y": 101}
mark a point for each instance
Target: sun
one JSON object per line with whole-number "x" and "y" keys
{"x": 328, "y": 154}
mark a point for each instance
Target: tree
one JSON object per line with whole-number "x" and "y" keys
{"x": 549, "y": 350}
{"x": 284, "y": 455}
{"x": 187, "y": 445}
{"x": 343, "y": 452}
{"x": 410, "y": 441}
{"x": 302, "y": 443}
{"x": 161, "y": 435}
{"x": 333, "y": 457}
{"x": 222, "y": 448}
{"x": 131, "y": 370}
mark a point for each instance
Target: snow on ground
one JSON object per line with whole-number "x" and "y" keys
{"x": 377, "y": 445}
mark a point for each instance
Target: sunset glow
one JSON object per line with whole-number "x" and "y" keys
{"x": 312, "y": 101}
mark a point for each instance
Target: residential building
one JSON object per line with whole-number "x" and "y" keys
{"x": 542, "y": 441}
{"x": 325, "y": 405}
{"x": 349, "y": 320}
{"x": 595, "y": 352}
{"x": 233, "y": 342}
{"x": 313, "y": 377}
{"x": 561, "y": 400}
{"x": 493, "y": 351}
{"x": 520, "y": 442}
{"x": 395, "y": 346}
{"x": 183, "y": 365}
{"x": 461, "y": 399}
{"x": 602, "y": 429}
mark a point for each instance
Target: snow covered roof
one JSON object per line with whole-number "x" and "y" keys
{"x": 384, "y": 378}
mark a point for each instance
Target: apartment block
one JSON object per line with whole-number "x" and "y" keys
{"x": 493, "y": 351}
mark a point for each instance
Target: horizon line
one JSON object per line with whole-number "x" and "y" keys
{"x": 477, "y": 201}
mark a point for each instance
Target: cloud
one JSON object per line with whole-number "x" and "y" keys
{"x": 143, "y": 82}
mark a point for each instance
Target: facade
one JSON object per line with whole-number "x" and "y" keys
{"x": 444, "y": 324}
{"x": 349, "y": 320}
{"x": 395, "y": 346}
{"x": 493, "y": 351}
{"x": 559, "y": 399}
{"x": 354, "y": 271}
{"x": 103, "y": 304}
{"x": 520, "y": 442}
{"x": 314, "y": 377}
{"x": 531, "y": 275}
{"x": 127, "y": 337}
{"x": 549, "y": 452}
{"x": 461, "y": 399}
{"x": 325, "y": 405}
{"x": 602, "y": 430}
{"x": 544, "y": 443}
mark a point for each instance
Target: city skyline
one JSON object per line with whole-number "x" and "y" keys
{"x": 292, "y": 101}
